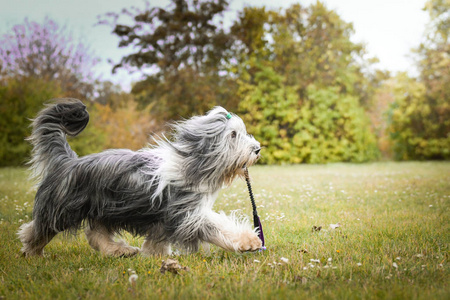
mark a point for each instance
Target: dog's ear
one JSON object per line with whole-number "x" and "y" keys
{"x": 200, "y": 142}
{"x": 199, "y": 128}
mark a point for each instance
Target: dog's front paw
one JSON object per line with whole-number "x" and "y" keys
{"x": 121, "y": 250}
{"x": 130, "y": 251}
{"x": 248, "y": 241}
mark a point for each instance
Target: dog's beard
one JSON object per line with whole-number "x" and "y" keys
{"x": 239, "y": 169}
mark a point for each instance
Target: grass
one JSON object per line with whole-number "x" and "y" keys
{"x": 393, "y": 242}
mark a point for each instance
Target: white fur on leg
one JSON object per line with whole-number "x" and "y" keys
{"x": 150, "y": 248}
{"x": 206, "y": 249}
{"x": 26, "y": 233}
{"x": 234, "y": 234}
{"x": 27, "y": 236}
{"x": 101, "y": 240}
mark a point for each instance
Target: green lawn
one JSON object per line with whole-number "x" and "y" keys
{"x": 393, "y": 242}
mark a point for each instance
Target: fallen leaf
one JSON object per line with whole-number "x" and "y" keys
{"x": 316, "y": 228}
{"x": 334, "y": 226}
{"x": 172, "y": 266}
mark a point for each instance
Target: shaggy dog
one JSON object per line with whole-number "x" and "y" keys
{"x": 164, "y": 193}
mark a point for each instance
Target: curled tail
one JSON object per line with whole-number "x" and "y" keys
{"x": 50, "y": 147}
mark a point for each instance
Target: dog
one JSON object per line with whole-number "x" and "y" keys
{"x": 164, "y": 192}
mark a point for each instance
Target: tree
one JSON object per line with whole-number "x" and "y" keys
{"x": 307, "y": 45}
{"x": 183, "y": 35}
{"x": 434, "y": 65}
{"x": 420, "y": 116}
{"x": 184, "y": 47}
{"x": 38, "y": 62}
{"x": 47, "y": 51}
{"x": 302, "y": 85}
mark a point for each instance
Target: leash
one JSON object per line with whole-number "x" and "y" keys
{"x": 256, "y": 220}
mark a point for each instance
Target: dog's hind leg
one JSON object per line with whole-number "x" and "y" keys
{"x": 33, "y": 242}
{"x": 150, "y": 248}
{"x": 102, "y": 240}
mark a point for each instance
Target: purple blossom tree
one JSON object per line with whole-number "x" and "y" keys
{"x": 47, "y": 51}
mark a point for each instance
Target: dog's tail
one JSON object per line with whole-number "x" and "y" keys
{"x": 50, "y": 147}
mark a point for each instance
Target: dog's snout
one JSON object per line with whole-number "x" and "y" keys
{"x": 257, "y": 150}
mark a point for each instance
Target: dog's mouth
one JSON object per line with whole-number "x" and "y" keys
{"x": 251, "y": 161}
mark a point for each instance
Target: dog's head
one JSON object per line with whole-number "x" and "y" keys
{"x": 214, "y": 148}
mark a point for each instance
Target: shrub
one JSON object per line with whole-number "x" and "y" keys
{"x": 418, "y": 127}
{"x": 326, "y": 126}
{"x": 21, "y": 99}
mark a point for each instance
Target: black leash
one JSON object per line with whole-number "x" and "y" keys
{"x": 256, "y": 220}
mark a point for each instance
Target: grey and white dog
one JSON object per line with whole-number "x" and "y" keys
{"x": 164, "y": 193}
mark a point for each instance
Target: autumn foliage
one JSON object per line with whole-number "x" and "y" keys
{"x": 115, "y": 127}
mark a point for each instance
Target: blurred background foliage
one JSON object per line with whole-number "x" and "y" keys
{"x": 304, "y": 89}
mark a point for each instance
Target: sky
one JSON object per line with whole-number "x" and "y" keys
{"x": 388, "y": 28}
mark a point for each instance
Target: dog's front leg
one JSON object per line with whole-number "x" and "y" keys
{"x": 150, "y": 248}
{"x": 230, "y": 233}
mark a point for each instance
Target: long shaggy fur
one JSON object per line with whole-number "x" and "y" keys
{"x": 164, "y": 193}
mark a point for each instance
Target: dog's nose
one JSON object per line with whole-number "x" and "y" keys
{"x": 257, "y": 151}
